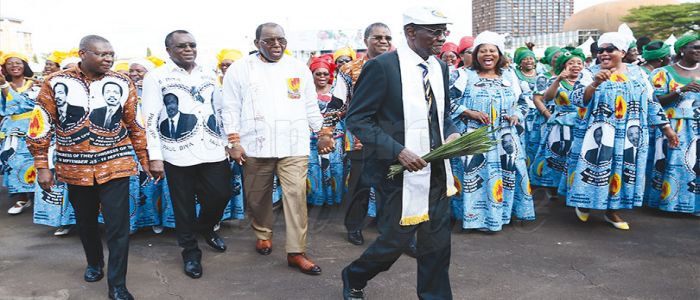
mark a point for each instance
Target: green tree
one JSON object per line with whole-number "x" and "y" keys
{"x": 659, "y": 22}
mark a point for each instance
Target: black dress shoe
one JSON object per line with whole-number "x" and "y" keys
{"x": 120, "y": 293}
{"x": 355, "y": 237}
{"x": 348, "y": 292}
{"x": 93, "y": 274}
{"x": 214, "y": 241}
{"x": 193, "y": 268}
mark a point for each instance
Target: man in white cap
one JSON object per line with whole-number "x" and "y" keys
{"x": 400, "y": 111}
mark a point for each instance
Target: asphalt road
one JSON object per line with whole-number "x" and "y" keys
{"x": 554, "y": 257}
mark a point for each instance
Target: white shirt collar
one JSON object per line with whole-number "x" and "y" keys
{"x": 173, "y": 67}
{"x": 407, "y": 53}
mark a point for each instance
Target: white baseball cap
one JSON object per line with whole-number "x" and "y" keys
{"x": 424, "y": 16}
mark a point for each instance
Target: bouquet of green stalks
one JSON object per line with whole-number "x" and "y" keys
{"x": 476, "y": 142}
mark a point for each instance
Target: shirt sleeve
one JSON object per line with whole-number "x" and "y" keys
{"x": 656, "y": 112}
{"x": 41, "y": 126}
{"x": 232, "y": 101}
{"x": 313, "y": 113}
{"x": 133, "y": 119}
{"x": 152, "y": 99}
{"x": 340, "y": 90}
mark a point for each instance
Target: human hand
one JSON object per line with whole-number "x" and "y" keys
{"x": 671, "y": 135}
{"x": 326, "y": 144}
{"x": 514, "y": 120}
{"x": 691, "y": 87}
{"x": 156, "y": 170}
{"x": 411, "y": 161}
{"x": 477, "y": 116}
{"x": 45, "y": 179}
{"x": 237, "y": 153}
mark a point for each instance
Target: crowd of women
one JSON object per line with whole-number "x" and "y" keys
{"x": 613, "y": 131}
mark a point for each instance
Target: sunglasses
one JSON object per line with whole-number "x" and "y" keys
{"x": 185, "y": 45}
{"x": 382, "y": 37}
{"x": 693, "y": 47}
{"x": 608, "y": 49}
{"x": 101, "y": 54}
{"x": 435, "y": 32}
{"x": 271, "y": 41}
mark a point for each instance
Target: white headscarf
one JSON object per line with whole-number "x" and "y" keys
{"x": 492, "y": 38}
{"x": 619, "y": 40}
{"x": 143, "y": 62}
{"x": 69, "y": 60}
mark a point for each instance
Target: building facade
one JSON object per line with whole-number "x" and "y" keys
{"x": 520, "y": 18}
{"x": 13, "y": 36}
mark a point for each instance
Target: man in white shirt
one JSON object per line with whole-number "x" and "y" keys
{"x": 195, "y": 159}
{"x": 269, "y": 105}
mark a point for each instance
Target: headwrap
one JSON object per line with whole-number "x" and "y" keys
{"x": 565, "y": 56}
{"x": 323, "y": 61}
{"x": 147, "y": 64}
{"x": 522, "y": 53}
{"x": 549, "y": 54}
{"x": 449, "y": 47}
{"x": 122, "y": 65}
{"x": 492, "y": 38}
{"x": 230, "y": 54}
{"x": 662, "y": 52}
{"x": 616, "y": 39}
{"x": 633, "y": 44}
{"x": 16, "y": 55}
{"x": 466, "y": 42}
{"x": 69, "y": 60}
{"x": 345, "y": 51}
{"x": 57, "y": 57}
{"x": 684, "y": 40}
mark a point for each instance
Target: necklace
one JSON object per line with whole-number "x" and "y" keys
{"x": 687, "y": 68}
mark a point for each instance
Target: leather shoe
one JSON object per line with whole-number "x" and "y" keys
{"x": 348, "y": 292}
{"x": 263, "y": 247}
{"x": 93, "y": 274}
{"x": 120, "y": 293}
{"x": 193, "y": 268}
{"x": 355, "y": 237}
{"x": 305, "y": 265}
{"x": 214, "y": 241}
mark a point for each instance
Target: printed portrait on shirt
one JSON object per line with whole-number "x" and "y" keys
{"x": 71, "y": 101}
{"x": 559, "y": 140}
{"x": 175, "y": 124}
{"x": 597, "y": 144}
{"x": 114, "y": 96}
{"x": 632, "y": 142}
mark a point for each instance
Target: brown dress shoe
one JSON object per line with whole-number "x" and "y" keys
{"x": 306, "y": 266}
{"x": 263, "y": 247}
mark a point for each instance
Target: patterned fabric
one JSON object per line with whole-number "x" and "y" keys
{"x": 528, "y": 85}
{"x": 17, "y": 165}
{"x": 535, "y": 119}
{"x": 675, "y": 177}
{"x": 606, "y": 166}
{"x": 349, "y": 73}
{"x": 492, "y": 186}
{"x": 96, "y": 123}
{"x": 326, "y": 174}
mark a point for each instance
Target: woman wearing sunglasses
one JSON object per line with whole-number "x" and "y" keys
{"x": 676, "y": 186}
{"x": 607, "y": 162}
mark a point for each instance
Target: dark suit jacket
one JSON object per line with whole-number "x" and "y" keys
{"x": 605, "y": 154}
{"x": 504, "y": 162}
{"x": 629, "y": 155}
{"x": 73, "y": 115}
{"x": 375, "y": 114}
{"x": 185, "y": 124}
{"x": 97, "y": 117}
{"x": 476, "y": 160}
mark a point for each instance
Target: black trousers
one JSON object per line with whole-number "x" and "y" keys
{"x": 433, "y": 239}
{"x": 357, "y": 197}
{"x": 112, "y": 198}
{"x": 210, "y": 183}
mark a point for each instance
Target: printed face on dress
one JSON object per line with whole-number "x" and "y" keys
{"x": 111, "y": 92}
{"x": 60, "y": 92}
{"x": 507, "y": 143}
{"x": 527, "y": 64}
{"x": 224, "y": 65}
{"x": 14, "y": 67}
{"x": 609, "y": 56}
{"x": 633, "y": 135}
{"x": 137, "y": 72}
{"x": 488, "y": 56}
{"x": 98, "y": 57}
{"x": 272, "y": 42}
{"x": 182, "y": 49}
{"x": 598, "y": 135}
{"x": 426, "y": 40}
{"x": 321, "y": 76}
{"x": 171, "y": 104}
{"x": 379, "y": 41}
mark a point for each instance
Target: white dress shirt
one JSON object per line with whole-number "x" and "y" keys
{"x": 272, "y": 106}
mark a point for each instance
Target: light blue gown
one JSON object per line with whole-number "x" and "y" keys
{"x": 19, "y": 174}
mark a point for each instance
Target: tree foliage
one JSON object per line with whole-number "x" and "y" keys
{"x": 659, "y": 22}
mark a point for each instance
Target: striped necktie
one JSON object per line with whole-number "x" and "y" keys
{"x": 426, "y": 86}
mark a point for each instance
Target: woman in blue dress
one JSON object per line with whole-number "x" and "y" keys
{"x": 495, "y": 184}
{"x": 17, "y": 100}
{"x": 607, "y": 162}
{"x": 675, "y": 183}
{"x": 548, "y": 166}
{"x": 525, "y": 70}
{"x": 326, "y": 184}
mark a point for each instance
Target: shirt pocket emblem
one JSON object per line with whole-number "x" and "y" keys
{"x": 293, "y": 85}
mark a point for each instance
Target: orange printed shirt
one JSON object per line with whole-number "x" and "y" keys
{"x": 97, "y": 127}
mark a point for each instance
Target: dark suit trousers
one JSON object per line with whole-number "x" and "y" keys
{"x": 113, "y": 198}
{"x": 433, "y": 239}
{"x": 211, "y": 184}
{"x": 357, "y": 197}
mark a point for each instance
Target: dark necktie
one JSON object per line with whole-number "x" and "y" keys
{"x": 172, "y": 127}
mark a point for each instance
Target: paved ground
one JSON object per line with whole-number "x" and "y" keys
{"x": 555, "y": 257}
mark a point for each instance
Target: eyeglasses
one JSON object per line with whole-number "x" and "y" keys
{"x": 608, "y": 49}
{"x": 381, "y": 37}
{"x": 322, "y": 74}
{"x": 185, "y": 45}
{"x": 271, "y": 41}
{"x": 436, "y": 32}
{"x": 101, "y": 54}
{"x": 341, "y": 61}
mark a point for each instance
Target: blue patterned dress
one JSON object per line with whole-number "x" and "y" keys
{"x": 17, "y": 166}
{"x": 535, "y": 120}
{"x": 53, "y": 208}
{"x": 494, "y": 185}
{"x": 528, "y": 87}
{"x": 326, "y": 175}
{"x": 607, "y": 163}
{"x": 675, "y": 177}
{"x": 549, "y": 164}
